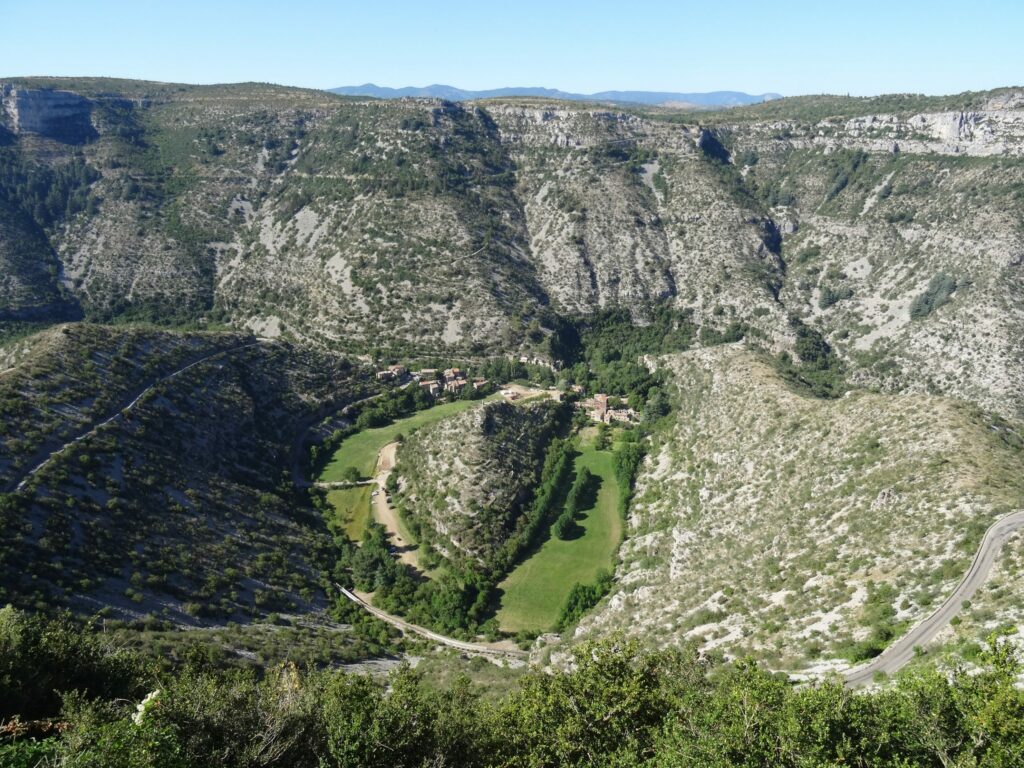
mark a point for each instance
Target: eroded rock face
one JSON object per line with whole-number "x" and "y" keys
{"x": 60, "y": 115}
{"x": 442, "y": 225}
{"x": 466, "y": 479}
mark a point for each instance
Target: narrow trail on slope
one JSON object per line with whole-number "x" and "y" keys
{"x": 451, "y": 642}
{"x": 899, "y": 653}
{"x": 127, "y": 404}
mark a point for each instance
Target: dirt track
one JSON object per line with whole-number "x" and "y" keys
{"x": 492, "y": 649}
{"x": 384, "y": 513}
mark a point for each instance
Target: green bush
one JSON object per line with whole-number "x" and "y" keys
{"x": 350, "y": 475}
{"x": 831, "y": 296}
{"x": 42, "y": 659}
{"x": 938, "y": 292}
{"x": 583, "y": 597}
{"x": 616, "y": 705}
{"x": 565, "y": 527}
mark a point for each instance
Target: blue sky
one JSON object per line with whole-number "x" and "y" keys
{"x": 860, "y": 48}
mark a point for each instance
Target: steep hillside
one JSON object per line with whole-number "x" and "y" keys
{"x": 893, "y": 225}
{"x": 180, "y": 505}
{"x": 908, "y": 243}
{"x": 798, "y": 529}
{"x": 628, "y": 213}
{"x": 28, "y": 272}
{"x": 71, "y": 377}
{"x": 289, "y": 211}
{"x": 464, "y": 482}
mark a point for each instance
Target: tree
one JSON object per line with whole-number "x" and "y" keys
{"x": 565, "y": 526}
{"x": 657, "y": 405}
{"x": 608, "y": 711}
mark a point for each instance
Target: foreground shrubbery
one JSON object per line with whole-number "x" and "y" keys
{"x": 619, "y": 707}
{"x": 40, "y": 658}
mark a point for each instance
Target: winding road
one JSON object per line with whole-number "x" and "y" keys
{"x": 299, "y": 444}
{"x": 451, "y": 642}
{"x": 902, "y": 651}
{"x": 127, "y": 406}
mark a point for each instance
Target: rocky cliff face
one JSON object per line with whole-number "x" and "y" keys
{"x": 464, "y": 481}
{"x": 420, "y": 224}
{"x": 624, "y": 212}
{"x": 60, "y": 115}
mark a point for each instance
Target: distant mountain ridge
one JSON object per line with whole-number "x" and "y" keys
{"x": 450, "y": 93}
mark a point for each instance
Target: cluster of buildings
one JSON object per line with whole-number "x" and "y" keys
{"x": 396, "y": 373}
{"x": 527, "y": 360}
{"x": 598, "y": 410}
{"x": 452, "y": 380}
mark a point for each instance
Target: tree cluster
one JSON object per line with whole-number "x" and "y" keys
{"x": 618, "y": 706}
{"x": 582, "y": 495}
{"x": 938, "y": 292}
{"x": 46, "y": 194}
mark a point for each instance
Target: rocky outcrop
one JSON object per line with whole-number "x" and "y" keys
{"x": 432, "y": 224}
{"x": 60, "y": 115}
{"x": 464, "y": 481}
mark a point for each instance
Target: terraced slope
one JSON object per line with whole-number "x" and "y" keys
{"x": 802, "y": 530}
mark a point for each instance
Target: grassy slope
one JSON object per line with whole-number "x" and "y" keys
{"x": 351, "y": 509}
{"x": 361, "y": 449}
{"x": 535, "y": 592}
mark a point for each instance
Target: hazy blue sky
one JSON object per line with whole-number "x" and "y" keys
{"x": 860, "y": 48}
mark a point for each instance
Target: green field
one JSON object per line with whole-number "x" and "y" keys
{"x": 361, "y": 449}
{"x": 351, "y": 509}
{"x": 536, "y": 590}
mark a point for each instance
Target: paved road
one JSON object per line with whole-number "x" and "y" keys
{"x": 127, "y": 406}
{"x": 451, "y": 642}
{"x": 902, "y": 651}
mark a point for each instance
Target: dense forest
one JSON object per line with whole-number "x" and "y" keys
{"x": 69, "y": 698}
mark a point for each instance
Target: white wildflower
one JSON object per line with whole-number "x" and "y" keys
{"x": 145, "y": 705}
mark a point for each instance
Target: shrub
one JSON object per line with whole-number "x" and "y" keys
{"x": 583, "y": 597}
{"x": 830, "y": 296}
{"x": 565, "y": 527}
{"x": 936, "y": 294}
{"x": 350, "y": 475}
{"x": 43, "y": 658}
